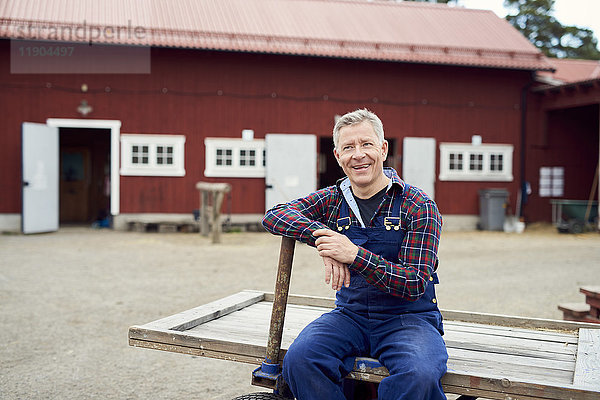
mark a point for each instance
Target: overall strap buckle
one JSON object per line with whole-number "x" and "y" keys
{"x": 392, "y": 222}
{"x": 343, "y": 223}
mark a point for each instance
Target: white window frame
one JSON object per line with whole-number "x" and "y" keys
{"x": 486, "y": 173}
{"x": 235, "y": 170}
{"x": 128, "y": 140}
{"x": 552, "y": 182}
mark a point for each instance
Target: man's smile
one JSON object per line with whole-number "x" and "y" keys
{"x": 361, "y": 166}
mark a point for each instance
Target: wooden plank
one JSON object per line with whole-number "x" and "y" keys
{"x": 591, "y": 291}
{"x": 197, "y": 352}
{"x": 493, "y": 388}
{"x": 507, "y": 345}
{"x": 587, "y": 366}
{"x": 453, "y": 315}
{"x": 518, "y": 322}
{"x": 487, "y": 394}
{"x": 549, "y": 336}
{"x": 509, "y": 367}
{"x": 199, "y": 315}
{"x": 303, "y": 300}
{"x": 255, "y": 319}
{"x": 202, "y": 343}
{"x": 502, "y": 388}
{"x": 507, "y": 363}
{"x": 493, "y": 365}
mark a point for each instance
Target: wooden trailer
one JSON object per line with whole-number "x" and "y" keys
{"x": 490, "y": 356}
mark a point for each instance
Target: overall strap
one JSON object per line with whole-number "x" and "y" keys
{"x": 394, "y": 221}
{"x": 348, "y": 202}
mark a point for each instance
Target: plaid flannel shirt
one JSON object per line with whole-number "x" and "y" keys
{"x": 420, "y": 219}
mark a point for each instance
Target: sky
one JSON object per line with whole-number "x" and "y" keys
{"x": 581, "y": 13}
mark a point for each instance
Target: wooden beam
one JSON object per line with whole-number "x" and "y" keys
{"x": 587, "y": 366}
{"x": 207, "y": 312}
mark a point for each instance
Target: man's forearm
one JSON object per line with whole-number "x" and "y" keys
{"x": 394, "y": 278}
{"x": 285, "y": 220}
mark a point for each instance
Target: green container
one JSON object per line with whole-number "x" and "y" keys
{"x": 569, "y": 215}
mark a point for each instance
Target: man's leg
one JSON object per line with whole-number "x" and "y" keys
{"x": 318, "y": 359}
{"x": 412, "y": 349}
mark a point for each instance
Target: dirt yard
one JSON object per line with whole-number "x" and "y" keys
{"x": 68, "y": 298}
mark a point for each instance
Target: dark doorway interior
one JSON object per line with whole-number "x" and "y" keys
{"x": 84, "y": 175}
{"x": 330, "y": 171}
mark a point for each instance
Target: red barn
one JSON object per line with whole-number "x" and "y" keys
{"x": 134, "y": 104}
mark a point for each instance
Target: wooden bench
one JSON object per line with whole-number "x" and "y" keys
{"x": 490, "y": 356}
{"x": 162, "y": 226}
{"x": 592, "y": 297}
{"x": 584, "y": 312}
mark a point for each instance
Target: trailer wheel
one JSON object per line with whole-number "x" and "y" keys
{"x": 261, "y": 396}
{"x": 576, "y": 226}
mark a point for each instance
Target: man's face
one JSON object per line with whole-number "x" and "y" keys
{"x": 360, "y": 155}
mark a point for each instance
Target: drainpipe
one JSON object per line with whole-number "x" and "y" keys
{"x": 523, "y": 181}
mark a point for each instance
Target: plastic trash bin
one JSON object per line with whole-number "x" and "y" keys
{"x": 492, "y": 209}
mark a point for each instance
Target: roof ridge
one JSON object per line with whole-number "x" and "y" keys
{"x": 382, "y": 3}
{"x": 576, "y": 60}
{"x": 403, "y": 3}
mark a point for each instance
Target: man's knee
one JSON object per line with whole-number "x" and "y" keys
{"x": 419, "y": 381}
{"x": 426, "y": 374}
{"x": 298, "y": 358}
{"x": 291, "y": 359}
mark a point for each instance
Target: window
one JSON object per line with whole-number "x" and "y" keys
{"x": 139, "y": 154}
{"x": 496, "y": 162}
{"x": 247, "y": 158}
{"x": 468, "y": 162}
{"x": 224, "y": 157}
{"x": 552, "y": 181}
{"x": 229, "y": 157}
{"x": 164, "y": 155}
{"x": 456, "y": 161}
{"x": 152, "y": 155}
{"x": 476, "y": 162}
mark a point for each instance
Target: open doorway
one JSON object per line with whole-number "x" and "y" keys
{"x": 85, "y": 169}
{"x": 330, "y": 171}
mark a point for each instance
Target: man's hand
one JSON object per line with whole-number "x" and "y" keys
{"x": 335, "y": 245}
{"x": 337, "y": 273}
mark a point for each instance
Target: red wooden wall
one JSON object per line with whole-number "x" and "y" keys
{"x": 562, "y": 136}
{"x": 218, "y": 94}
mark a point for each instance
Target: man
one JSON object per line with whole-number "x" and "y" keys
{"x": 378, "y": 238}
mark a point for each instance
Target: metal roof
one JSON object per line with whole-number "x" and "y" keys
{"x": 572, "y": 70}
{"x": 361, "y": 29}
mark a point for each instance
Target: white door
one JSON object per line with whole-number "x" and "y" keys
{"x": 39, "y": 212}
{"x": 418, "y": 163}
{"x": 291, "y": 167}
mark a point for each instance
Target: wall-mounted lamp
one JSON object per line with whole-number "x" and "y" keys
{"x": 84, "y": 108}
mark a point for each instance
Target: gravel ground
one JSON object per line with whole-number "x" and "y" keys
{"x": 68, "y": 298}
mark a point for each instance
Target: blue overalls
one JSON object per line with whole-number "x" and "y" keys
{"x": 404, "y": 336}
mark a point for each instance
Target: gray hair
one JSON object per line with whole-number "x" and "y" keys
{"x": 356, "y": 117}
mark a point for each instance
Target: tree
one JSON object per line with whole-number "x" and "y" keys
{"x": 535, "y": 20}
